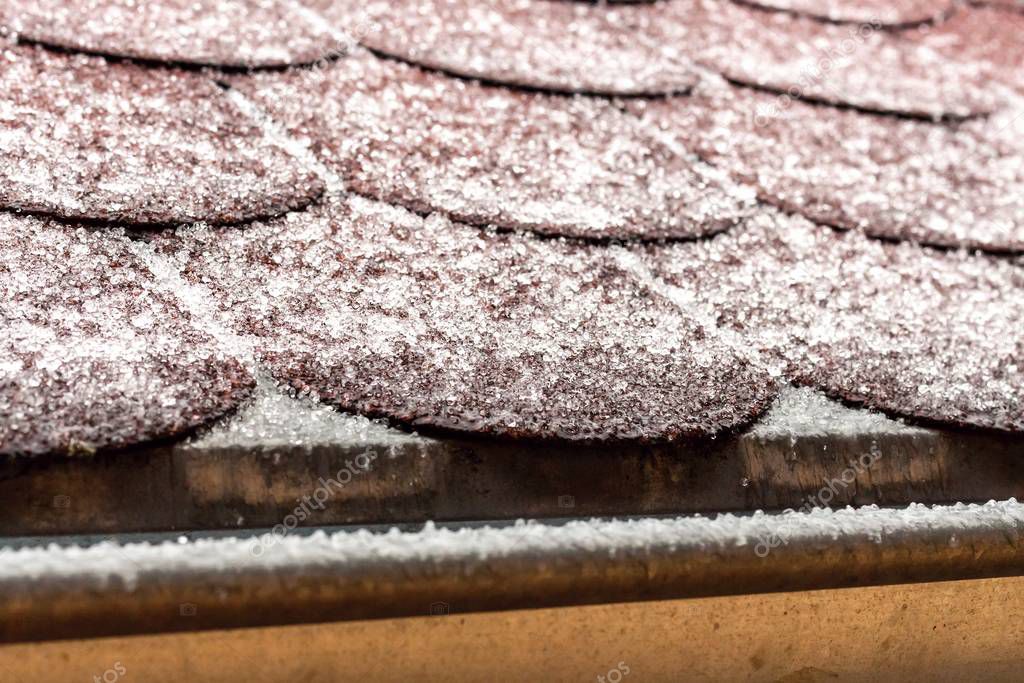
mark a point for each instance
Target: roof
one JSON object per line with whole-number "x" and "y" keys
{"x": 531, "y": 219}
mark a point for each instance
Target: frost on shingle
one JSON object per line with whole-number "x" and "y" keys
{"x": 82, "y": 138}
{"x": 949, "y": 185}
{"x": 991, "y": 36}
{"x": 935, "y": 335}
{"x": 559, "y": 46}
{"x": 856, "y": 65}
{"x": 889, "y": 13}
{"x": 234, "y": 33}
{"x": 273, "y": 420}
{"x": 493, "y": 156}
{"x": 1007, "y": 4}
{"x": 93, "y": 355}
{"x": 805, "y": 412}
{"x": 434, "y": 324}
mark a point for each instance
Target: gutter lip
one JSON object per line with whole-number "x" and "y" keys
{"x": 159, "y": 597}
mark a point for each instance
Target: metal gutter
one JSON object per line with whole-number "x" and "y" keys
{"x": 59, "y": 593}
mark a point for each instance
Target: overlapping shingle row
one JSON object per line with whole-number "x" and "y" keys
{"x": 489, "y": 155}
{"x": 414, "y": 302}
{"x": 932, "y": 334}
{"x": 86, "y": 139}
{"x": 883, "y": 12}
{"x": 435, "y": 324}
{"x": 223, "y": 33}
{"x": 94, "y": 353}
{"x": 950, "y": 185}
{"x": 510, "y": 41}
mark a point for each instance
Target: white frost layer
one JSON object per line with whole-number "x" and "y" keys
{"x": 799, "y": 411}
{"x": 109, "y": 564}
{"x": 272, "y": 419}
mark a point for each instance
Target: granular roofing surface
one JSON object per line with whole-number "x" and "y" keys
{"x": 534, "y": 219}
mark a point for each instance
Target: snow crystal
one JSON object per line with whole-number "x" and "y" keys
{"x": 801, "y": 412}
{"x": 273, "y": 419}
